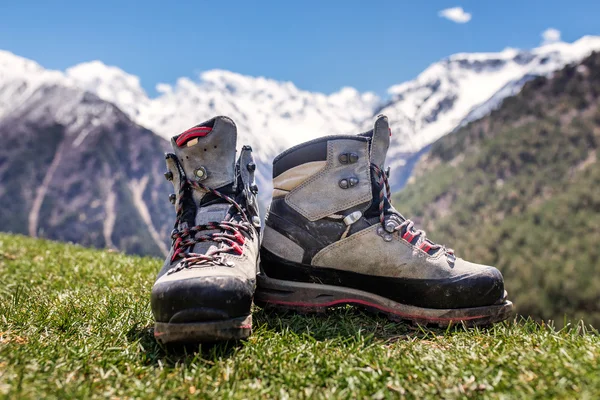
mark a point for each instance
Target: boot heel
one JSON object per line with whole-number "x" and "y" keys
{"x": 213, "y": 331}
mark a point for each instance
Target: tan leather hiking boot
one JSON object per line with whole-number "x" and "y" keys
{"x": 332, "y": 237}
{"x": 204, "y": 290}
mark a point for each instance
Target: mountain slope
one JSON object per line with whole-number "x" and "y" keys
{"x": 519, "y": 189}
{"x": 465, "y": 87}
{"x": 74, "y": 168}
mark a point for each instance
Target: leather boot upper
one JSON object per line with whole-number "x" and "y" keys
{"x": 331, "y": 220}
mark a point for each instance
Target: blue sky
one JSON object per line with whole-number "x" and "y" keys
{"x": 318, "y": 45}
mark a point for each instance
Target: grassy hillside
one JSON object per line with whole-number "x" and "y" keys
{"x": 76, "y": 323}
{"x": 519, "y": 189}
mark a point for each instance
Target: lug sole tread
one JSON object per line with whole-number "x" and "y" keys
{"x": 307, "y": 298}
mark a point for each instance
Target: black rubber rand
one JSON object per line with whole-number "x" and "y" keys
{"x": 453, "y": 293}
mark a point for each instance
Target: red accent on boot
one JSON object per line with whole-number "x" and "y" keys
{"x": 195, "y": 132}
{"x": 408, "y": 236}
{"x": 237, "y": 249}
{"x": 239, "y": 237}
{"x": 177, "y": 249}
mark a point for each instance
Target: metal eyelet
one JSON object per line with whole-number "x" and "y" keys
{"x": 451, "y": 258}
{"x": 201, "y": 173}
{"x": 385, "y": 235}
{"x": 348, "y": 158}
{"x": 346, "y": 183}
{"x": 390, "y": 226}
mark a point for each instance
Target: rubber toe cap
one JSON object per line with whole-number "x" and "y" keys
{"x": 483, "y": 287}
{"x": 200, "y": 299}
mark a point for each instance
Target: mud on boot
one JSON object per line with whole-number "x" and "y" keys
{"x": 205, "y": 289}
{"x": 332, "y": 237}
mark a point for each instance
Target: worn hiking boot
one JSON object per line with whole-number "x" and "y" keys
{"x": 204, "y": 290}
{"x": 332, "y": 237}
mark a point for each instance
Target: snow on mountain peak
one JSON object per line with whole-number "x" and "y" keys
{"x": 12, "y": 65}
{"x": 466, "y": 86}
{"x": 109, "y": 83}
{"x": 278, "y": 114}
{"x": 19, "y": 78}
{"x": 506, "y": 54}
{"x": 229, "y": 80}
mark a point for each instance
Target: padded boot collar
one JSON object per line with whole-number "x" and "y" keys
{"x": 206, "y": 153}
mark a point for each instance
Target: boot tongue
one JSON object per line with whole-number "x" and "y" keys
{"x": 207, "y": 153}
{"x": 380, "y": 141}
{"x": 206, "y": 214}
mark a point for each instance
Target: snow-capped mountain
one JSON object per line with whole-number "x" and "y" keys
{"x": 273, "y": 115}
{"x": 467, "y": 86}
{"x": 19, "y": 79}
{"x": 92, "y": 173}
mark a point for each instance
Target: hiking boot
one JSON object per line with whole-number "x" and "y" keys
{"x": 204, "y": 290}
{"x": 332, "y": 237}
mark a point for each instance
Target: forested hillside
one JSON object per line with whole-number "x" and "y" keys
{"x": 520, "y": 189}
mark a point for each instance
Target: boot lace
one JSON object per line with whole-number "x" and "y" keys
{"x": 229, "y": 233}
{"x": 406, "y": 225}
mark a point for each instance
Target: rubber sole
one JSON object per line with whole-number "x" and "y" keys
{"x": 213, "y": 331}
{"x": 313, "y": 297}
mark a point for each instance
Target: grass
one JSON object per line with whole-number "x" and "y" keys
{"x": 76, "y": 323}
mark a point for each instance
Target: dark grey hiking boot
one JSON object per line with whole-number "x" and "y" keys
{"x": 332, "y": 237}
{"x": 204, "y": 290}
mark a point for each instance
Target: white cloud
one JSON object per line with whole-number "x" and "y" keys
{"x": 455, "y": 14}
{"x": 550, "y": 35}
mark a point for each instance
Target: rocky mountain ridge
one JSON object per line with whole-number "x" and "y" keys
{"x": 73, "y": 167}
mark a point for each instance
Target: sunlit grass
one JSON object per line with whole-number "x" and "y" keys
{"x": 76, "y": 322}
